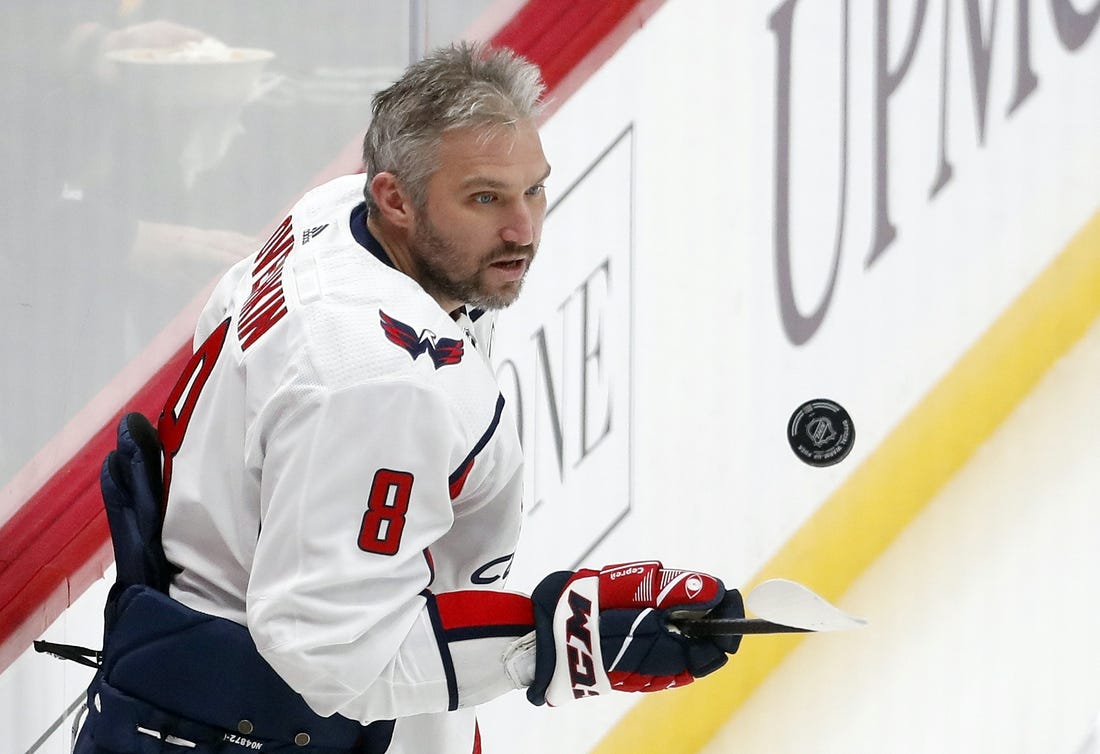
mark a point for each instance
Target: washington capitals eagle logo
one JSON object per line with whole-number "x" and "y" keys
{"x": 443, "y": 351}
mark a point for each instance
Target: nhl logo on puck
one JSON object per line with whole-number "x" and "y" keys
{"x": 821, "y": 432}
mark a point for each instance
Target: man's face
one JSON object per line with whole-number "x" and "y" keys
{"x": 475, "y": 238}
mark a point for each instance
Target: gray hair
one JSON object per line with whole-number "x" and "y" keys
{"x": 466, "y": 85}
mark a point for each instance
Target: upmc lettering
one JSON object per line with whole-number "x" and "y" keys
{"x": 891, "y": 65}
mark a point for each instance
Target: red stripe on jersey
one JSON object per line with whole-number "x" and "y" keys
{"x": 478, "y": 609}
{"x": 477, "y": 739}
{"x": 431, "y": 565}
{"x": 458, "y": 479}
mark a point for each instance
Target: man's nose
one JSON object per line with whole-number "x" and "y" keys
{"x": 519, "y": 227}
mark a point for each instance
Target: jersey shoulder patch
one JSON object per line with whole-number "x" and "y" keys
{"x": 441, "y": 351}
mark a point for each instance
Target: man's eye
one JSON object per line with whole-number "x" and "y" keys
{"x": 484, "y": 198}
{"x": 536, "y": 190}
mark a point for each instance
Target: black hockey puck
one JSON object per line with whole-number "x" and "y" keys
{"x": 821, "y": 432}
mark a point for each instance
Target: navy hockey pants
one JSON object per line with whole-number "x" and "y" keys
{"x": 177, "y": 681}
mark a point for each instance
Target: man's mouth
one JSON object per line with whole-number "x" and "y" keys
{"x": 512, "y": 268}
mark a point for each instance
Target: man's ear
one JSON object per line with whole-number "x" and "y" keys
{"x": 392, "y": 201}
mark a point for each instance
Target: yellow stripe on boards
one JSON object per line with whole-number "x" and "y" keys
{"x": 858, "y": 522}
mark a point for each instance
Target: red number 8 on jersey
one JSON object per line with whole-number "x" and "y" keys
{"x": 384, "y": 519}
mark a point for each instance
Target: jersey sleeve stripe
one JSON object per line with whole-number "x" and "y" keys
{"x": 458, "y": 478}
{"x": 474, "y": 614}
{"x": 444, "y": 650}
{"x": 487, "y": 632}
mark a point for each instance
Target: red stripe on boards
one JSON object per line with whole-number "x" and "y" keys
{"x": 570, "y": 39}
{"x": 57, "y": 544}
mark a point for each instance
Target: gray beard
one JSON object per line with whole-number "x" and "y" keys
{"x": 431, "y": 252}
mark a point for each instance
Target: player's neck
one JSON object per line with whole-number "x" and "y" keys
{"x": 396, "y": 245}
{"x": 393, "y": 243}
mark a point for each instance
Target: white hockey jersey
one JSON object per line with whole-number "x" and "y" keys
{"x": 338, "y": 455}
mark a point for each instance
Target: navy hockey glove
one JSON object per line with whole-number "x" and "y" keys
{"x": 130, "y": 480}
{"x": 610, "y": 630}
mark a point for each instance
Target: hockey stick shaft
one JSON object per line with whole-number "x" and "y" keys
{"x": 702, "y": 627}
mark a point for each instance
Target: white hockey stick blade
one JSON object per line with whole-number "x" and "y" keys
{"x": 791, "y": 604}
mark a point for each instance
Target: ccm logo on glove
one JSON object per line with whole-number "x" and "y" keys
{"x": 582, "y": 669}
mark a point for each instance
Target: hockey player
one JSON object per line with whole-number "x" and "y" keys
{"x": 339, "y": 462}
